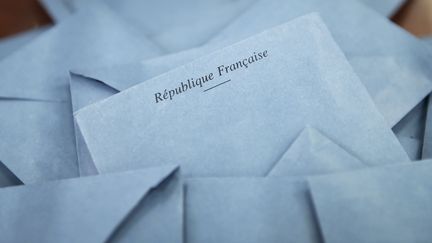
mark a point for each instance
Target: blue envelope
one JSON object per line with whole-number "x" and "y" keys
{"x": 427, "y": 142}
{"x": 174, "y": 25}
{"x": 385, "y": 204}
{"x": 10, "y": 44}
{"x": 241, "y": 120}
{"x": 267, "y": 209}
{"x": 137, "y": 206}
{"x": 393, "y": 65}
{"x": 37, "y": 124}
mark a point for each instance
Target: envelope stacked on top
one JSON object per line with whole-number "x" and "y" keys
{"x": 283, "y": 123}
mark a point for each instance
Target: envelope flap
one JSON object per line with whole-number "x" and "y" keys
{"x": 85, "y": 209}
{"x": 313, "y": 153}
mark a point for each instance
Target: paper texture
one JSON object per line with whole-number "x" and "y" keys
{"x": 200, "y": 128}
{"x": 38, "y": 138}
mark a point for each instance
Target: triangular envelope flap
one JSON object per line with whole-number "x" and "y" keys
{"x": 85, "y": 91}
{"x": 414, "y": 81}
{"x": 95, "y": 34}
{"x": 37, "y": 140}
{"x": 85, "y": 209}
{"x": 312, "y": 153}
{"x": 384, "y": 204}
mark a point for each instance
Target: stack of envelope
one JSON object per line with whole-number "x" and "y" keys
{"x": 216, "y": 121}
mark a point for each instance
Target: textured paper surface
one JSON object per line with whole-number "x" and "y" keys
{"x": 143, "y": 205}
{"x": 266, "y": 106}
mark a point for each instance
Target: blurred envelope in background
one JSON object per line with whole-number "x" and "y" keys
{"x": 427, "y": 142}
{"x": 248, "y": 210}
{"x": 238, "y": 120}
{"x": 10, "y": 44}
{"x": 385, "y": 204}
{"x": 37, "y": 123}
{"x": 173, "y": 25}
{"x": 142, "y": 205}
{"x": 267, "y": 209}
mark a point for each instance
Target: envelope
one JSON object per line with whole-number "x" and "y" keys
{"x": 313, "y": 153}
{"x": 273, "y": 209}
{"x": 174, "y": 25}
{"x": 392, "y": 64}
{"x": 10, "y": 44}
{"x": 37, "y": 124}
{"x": 237, "y": 123}
{"x": 136, "y": 206}
{"x": 392, "y": 205}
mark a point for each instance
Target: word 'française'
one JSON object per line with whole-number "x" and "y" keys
{"x": 199, "y": 82}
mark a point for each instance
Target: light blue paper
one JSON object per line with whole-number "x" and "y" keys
{"x": 265, "y": 210}
{"x": 37, "y": 126}
{"x": 7, "y": 178}
{"x": 13, "y": 43}
{"x": 248, "y": 210}
{"x": 242, "y": 127}
{"x": 386, "y": 204}
{"x": 174, "y": 25}
{"x": 413, "y": 147}
{"x": 394, "y": 66}
{"x": 313, "y": 153}
{"x": 385, "y": 7}
{"x": 138, "y": 206}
